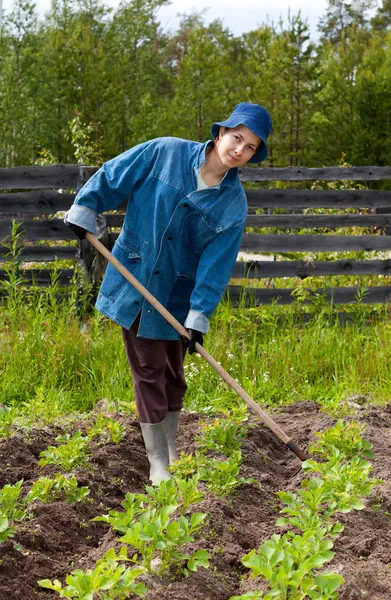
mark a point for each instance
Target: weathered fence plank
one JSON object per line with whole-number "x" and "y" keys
{"x": 41, "y": 202}
{"x": 301, "y": 268}
{"x": 318, "y": 198}
{"x": 342, "y": 295}
{"x": 43, "y": 277}
{"x": 309, "y": 174}
{"x": 54, "y": 229}
{"x": 42, "y": 253}
{"x": 56, "y": 176}
{"x": 252, "y": 242}
{"x": 318, "y": 221}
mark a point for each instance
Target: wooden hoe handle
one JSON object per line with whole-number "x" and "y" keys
{"x": 264, "y": 417}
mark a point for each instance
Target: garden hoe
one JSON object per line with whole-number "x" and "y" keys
{"x": 183, "y": 332}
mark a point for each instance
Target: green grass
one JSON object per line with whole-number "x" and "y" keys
{"x": 54, "y": 362}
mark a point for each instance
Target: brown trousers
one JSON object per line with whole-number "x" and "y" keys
{"x": 158, "y": 376}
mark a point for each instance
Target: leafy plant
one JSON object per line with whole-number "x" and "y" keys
{"x": 120, "y": 520}
{"x": 222, "y": 436}
{"x": 6, "y": 530}
{"x": 349, "y": 479}
{"x": 7, "y": 416}
{"x": 109, "y": 580}
{"x": 68, "y": 455}
{"x": 107, "y": 429}
{"x": 222, "y": 477}
{"x": 344, "y": 436}
{"x": 158, "y": 539}
{"x": 189, "y": 493}
{"x": 289, "y": 564}
{"x": 10, "y": 504}
{"x": 47, "y": 489}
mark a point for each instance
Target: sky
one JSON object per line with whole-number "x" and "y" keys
{"x": 238, "y": 15}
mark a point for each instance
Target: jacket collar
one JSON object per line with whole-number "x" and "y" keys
{"x": 231, "y": 178}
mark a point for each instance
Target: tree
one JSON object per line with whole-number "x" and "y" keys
{"x": 341, "y": 16}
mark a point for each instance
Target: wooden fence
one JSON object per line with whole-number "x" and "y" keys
{"x": 33, "y": 196}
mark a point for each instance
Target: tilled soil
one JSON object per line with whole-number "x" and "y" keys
{"x": 59, "y": 537}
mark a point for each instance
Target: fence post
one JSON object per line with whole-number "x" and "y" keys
{"x": 94, "y": 264}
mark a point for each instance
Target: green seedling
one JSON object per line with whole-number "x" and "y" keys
{"x": 181, "y": 492}
{"x": 288, "y": 564}
{"x": 7, "y": 417}
{"x": 47, "y": 489}
{"x": 6, "y": 530}
{"x": 71, "y": 453}
{"x": 309, "y": 508}
{"x": 158, "y": 539}
{"x": 10, "y": 503}
{"x": 344, "y": 436}
{"x": 349, "y": 480}
{"x": 222, "y": 477}
{"x": 164, "y": 494}
{"x": 186, "y": 466}
{"x": 108, "y": 581}
{"x": 121, "y": 521}
{"x": 222, "y": 436}
{"x": 107, "y": 429}
{"x": 188, "y": 492}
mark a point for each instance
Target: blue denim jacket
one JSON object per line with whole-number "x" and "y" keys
{"x": 181, "y": 244}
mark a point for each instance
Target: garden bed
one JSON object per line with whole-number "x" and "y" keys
{"x": 60, "y": 537}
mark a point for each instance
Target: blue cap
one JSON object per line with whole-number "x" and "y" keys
{"x": 256, "y": 118}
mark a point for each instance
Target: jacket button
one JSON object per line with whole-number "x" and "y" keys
{"x": 169, "y": 237}
{"x": 157, "y": 272}
{"x": 185, "y": 205}
{"x": 149, "y": 310}
{"x": 136, "y": 302}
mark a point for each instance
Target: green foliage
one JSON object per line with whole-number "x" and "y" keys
{"x": 109, "y": 580}
{"x": 48, "y": 489}
{"x": 189, "y": 493}
{"x": 10, "y": 504}
{"x": 148, "y": 525}
{"x": 349, "y": 479}
{"x": 346, "y": 436}
{"x": 222, "y": 477}
{"x": 289, "y": 564}
{"x": 156, "y": 535}
{"x": 71, "y": 453}
{"x": 7, "y": 417}
{"x": 223, "y": 436}
{"x": 6, "y": 530}
{"x": 106, "y": 429}
{"x": 87, "y": 150}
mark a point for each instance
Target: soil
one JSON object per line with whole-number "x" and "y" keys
{"x": 58, "y": 537}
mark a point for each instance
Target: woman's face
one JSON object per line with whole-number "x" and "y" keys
{"x": 236, "y": 146}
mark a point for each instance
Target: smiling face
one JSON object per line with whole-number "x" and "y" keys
{"x": 236, "y": 146}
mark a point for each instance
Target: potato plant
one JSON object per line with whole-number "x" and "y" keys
{"x": 72, "y": 452}
{"x": 109, "y": 580}
{"x": 148, "y": 525}
{"x": 289, "y": 563}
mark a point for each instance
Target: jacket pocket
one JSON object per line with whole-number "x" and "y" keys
{"x": 197, "y": 230}
{"x": 130, "y": 257}
{"x": 179, "y": 299}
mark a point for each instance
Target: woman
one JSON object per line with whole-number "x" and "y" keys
{"x": 180, "y": 237}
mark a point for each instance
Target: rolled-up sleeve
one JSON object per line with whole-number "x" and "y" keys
{"x": 109, "y": 187}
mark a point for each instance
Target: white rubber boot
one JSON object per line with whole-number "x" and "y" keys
{"x": 156, "y": 445}
{"x": 171, "y": 422}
